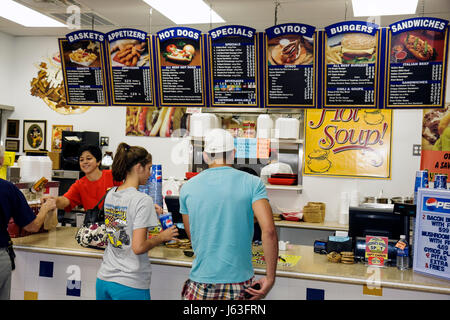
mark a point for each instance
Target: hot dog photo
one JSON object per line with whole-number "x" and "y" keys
{"x": 180, "y": 51}
{"x": 417, "y": 46}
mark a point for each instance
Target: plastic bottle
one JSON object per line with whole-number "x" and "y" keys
{"x": 402, "y": 253}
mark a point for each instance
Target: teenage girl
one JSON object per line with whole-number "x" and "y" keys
{"x": 126, "y": 271}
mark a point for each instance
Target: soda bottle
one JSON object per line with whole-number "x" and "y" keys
{"x": 402, "y": 253}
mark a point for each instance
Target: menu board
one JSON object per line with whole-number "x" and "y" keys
{"x": 290, "y": 66}
{"x": 417, "y": 63}
{"x": 181, "y": 67}
{"x": 83, "y": 66}
{"x": 233, "y": 66}
{"x": 130, "y": 67}
{"x": 431, "y": 234}
{"x": 351, "y": 64}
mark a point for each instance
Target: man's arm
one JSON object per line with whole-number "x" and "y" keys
{"x": 263, "y": 214}
{"x": 186, "y": 225}
{"x": 36, "y": 224}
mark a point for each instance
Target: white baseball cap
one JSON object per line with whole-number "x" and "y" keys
{"x": 218, "y": 140}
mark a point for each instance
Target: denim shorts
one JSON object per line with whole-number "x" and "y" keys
{"x": 108, "y": 290}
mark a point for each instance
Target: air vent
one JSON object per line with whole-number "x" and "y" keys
{"x": 85, "y": 19}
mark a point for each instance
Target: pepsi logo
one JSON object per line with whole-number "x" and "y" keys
{"x": 431, "y": 202}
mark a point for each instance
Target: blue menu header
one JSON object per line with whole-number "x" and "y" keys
{"x": 290, "y": 28}
{"x": 351, "y": 26}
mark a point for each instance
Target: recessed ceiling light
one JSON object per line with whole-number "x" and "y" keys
{"x": 368, "y": 8}
{"x": 186, "y": 11}
{"x": 25, "y": 16}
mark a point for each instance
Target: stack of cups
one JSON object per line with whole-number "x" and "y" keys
{"x": 354, "y": 198}
{"x": 343, "y": 208}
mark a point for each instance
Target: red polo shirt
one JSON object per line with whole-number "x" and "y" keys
{"x": 88, "y": 193}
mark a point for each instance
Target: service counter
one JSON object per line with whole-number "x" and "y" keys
{"x": 53, "y": 266}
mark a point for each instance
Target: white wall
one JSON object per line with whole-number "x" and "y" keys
{"x": 24, "y": 52}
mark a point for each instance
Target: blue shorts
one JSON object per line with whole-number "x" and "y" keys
{"x": 108, "y": 290}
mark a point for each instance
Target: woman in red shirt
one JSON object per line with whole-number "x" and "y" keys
{"x": 88, "y": 190}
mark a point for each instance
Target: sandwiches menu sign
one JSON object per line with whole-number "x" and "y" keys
{"x": 290, "y": 66}
{"x": 130, "y": 67}
{"x": 83, "y": 66}
{"x": 351, "y": 63}
{"x": 416, "y": 63}
{"x": 233, "y": 66}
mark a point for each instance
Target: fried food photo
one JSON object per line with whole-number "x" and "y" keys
{"x": 128, "y": 53}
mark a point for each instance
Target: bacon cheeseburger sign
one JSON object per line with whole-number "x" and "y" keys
{"x": 348, "y": 143}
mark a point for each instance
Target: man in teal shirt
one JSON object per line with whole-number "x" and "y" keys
{"x": 219, "y": 206}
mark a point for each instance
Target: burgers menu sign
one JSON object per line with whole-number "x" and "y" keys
{"x": 130, "y": 67}
{"x": 83, "y": 66}
{"x": 350, "y": 65}
{"x": 290, "y": 66}
{"x": 416, "y": 63}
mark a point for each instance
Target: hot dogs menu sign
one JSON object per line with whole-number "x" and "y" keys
{"x": 181, "y": 67}
{"x": 351, "y": 64}
{"x": 83, "y": 65}
{"x": 417, "y": 63}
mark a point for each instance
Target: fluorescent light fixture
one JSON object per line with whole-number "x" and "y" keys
{"x": 186, "y": 11}
{"x": 369, "y": 8}
{"x": 25, "y": 16}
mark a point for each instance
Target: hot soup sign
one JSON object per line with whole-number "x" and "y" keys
{"x": 348, "y": 143}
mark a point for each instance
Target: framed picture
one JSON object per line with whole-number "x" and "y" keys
{"x": 12, "y": 145}
{"x": 12, "y": 128}
{"x": 57, "y": 136}
{"x": 34, "y": 135}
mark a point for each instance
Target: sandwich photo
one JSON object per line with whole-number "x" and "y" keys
{"x": 421, "y": 49}
{"x": 179, "y": 52}
{"x": 290, "y": 50}
{"x": 351, "y": 48}
{"x": 417, "y": 46}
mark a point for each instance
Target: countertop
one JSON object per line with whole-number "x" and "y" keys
{"x": 311, "y": 266}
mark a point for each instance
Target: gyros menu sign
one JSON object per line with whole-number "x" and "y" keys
{"x": 351, "y": 64}
{"x": 181, "y": 67}
{"x": 233, "y": 66}
{"x": 290, "y": 66}
{"x": 83, "y": 66}
{"x": 348, "y": 143}
{"x": 130, "y": 67}
{"x": 416, "y": 63}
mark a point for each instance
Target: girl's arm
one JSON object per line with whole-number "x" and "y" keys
{"x": 141, "y": 244}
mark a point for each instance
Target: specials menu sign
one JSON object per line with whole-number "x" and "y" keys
{"x": 290, "y": 66}
{"x": 233, "y": 66}
{"x": 181, "y": 67}
{"x": 348, "y": 143}
{"x": 130, "y": 67}
{"x": 351, "y": 64}
{"x": 83, "y": 66}
{"x": 417, "y": 63}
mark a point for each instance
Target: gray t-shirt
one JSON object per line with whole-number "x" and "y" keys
{"x": 125, "y": 211}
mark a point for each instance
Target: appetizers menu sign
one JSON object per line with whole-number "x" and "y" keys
{"x": 417, "y": 63}
{"x": 130, "y": 67}
{"x": 351, "y": 64}
{"x": 181, "y": 67}
{"x": 290, "y": 66}
{"x": 83, "y": 65}
{"x": 233, "y": 66}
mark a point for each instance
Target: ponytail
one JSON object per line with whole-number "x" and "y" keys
{"x": 126, "y": 158}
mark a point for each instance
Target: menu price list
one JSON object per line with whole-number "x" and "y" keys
{"x": 234, "y": 73}
{"x": 350, "y": 84}
{"x": 85, "y": 85}
{"x": 282, "y": 90}
{"x": 435, "y": 254}
{"x": 181, "y": 84}
{"x": 415, "y": 83}
{"x": 132, "y": 85}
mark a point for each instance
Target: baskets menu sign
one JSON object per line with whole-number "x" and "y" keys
{"x": 83, "y": 66}
{"x": 348, "y": 143}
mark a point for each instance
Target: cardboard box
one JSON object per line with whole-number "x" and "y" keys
{"x": 55, "y": 157}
